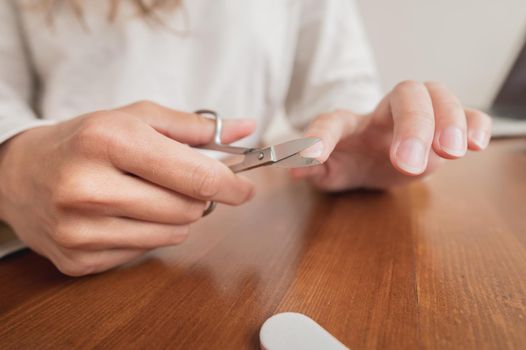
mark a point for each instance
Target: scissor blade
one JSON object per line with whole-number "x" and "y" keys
{"x": 296, "y": 161}
{"x": 290, "y": 148}
{"x": 274, "y": 154}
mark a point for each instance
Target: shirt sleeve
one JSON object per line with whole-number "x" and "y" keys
{"x": 16, "y": 88}
{"x": 16, "y": 81}
{"x": 333, "y": 64}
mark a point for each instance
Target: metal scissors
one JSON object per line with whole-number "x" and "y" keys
{"x": 285, "y": 155}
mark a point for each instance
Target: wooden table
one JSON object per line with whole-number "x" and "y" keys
{"x": 439, "y": 264}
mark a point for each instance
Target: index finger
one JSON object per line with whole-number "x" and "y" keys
{"x": 197, "y": 129}
{"x": 414, "y": 126}
{"x": 168, "y": 163}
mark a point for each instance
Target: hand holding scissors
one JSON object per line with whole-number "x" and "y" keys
{"x": 284, "y": 155}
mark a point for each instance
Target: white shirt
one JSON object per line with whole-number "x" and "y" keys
{"x": 243, "y": 58}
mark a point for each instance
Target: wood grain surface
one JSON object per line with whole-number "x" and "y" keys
{"x": 440, "y": 264}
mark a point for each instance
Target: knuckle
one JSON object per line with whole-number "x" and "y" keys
{"x": 435, "y": 84}
{"x": 327, "y": 117}
{"x": 452, "y": 105}
{"x": 193, "y": 210}
{"x": 203, "y": 124}
{"x": 61, "y": 193}
{"x": 67, "y": 237}
{"x": 75, "y": 265}
{"x": 68, "y": 269}
{"x": 103, "y": 132}
{"x": 407, "y": 85}
{"x": 420, "y": 117}
{"x": 452, "y": 109}
{"x": 205, "y": 181}
{"x": 180, "y": 235}
{"x": 323, "y": 122}
{"x": 144, "y": 105}
{"x": 93, "y": 133}
{"x": 147, "y": 103}
{"x": 76, "y": 188}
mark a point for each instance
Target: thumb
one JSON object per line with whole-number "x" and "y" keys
{"x": 189, "y": 128}
{"x": 330, "y": 128}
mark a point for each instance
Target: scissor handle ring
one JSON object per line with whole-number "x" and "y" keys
{"x": 218, "y": 123}
{"x": 210, "y": 208}
{"x": 217, "y": 140}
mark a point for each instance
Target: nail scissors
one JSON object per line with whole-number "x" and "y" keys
{"x": 285, "y": 155}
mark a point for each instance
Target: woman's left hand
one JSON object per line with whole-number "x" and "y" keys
{"x": 410, "y": 133}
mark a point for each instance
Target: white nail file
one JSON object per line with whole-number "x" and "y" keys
{"x": 291, "y": 330}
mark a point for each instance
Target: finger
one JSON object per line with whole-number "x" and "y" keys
{"x": 330, "y": 128}
{"x": 80, "y": 263}
{"x": 189, "y": 128}
{"x": 312, "y": 171}
{"x": 450, "y": 139}
{"x": 170, "y": 164}
{"x": 414, "y": 124}
{"x": 479, "y": 129}
{"x": 131, "y": 197}
{"x": 105, "y": 232}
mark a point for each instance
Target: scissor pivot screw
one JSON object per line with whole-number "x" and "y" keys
{"x": 261, "y": 155}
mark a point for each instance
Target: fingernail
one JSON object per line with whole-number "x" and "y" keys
{"x": 313, "y": 151}
{"x": 453, "y": 141}
{"x": 411, "y": 155}
{"x": 480, "y": 138}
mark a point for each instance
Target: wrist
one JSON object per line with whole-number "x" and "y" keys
{"x": 13, "y": 165}
{"x": 4, "y": 175}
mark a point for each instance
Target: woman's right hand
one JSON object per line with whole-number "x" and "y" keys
{"x": 96, "y": 191}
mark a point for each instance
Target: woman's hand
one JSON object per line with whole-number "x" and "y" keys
{"x": 101, "y": 189}
{"x": 413, "y": 129}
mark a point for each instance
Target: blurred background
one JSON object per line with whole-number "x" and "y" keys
{"x": 469, "y": 45}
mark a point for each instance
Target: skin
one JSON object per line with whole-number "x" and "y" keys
{"x": 96, "y": 191}
{"x": 99, "y": 190}
{"x": 414, "y": 129}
